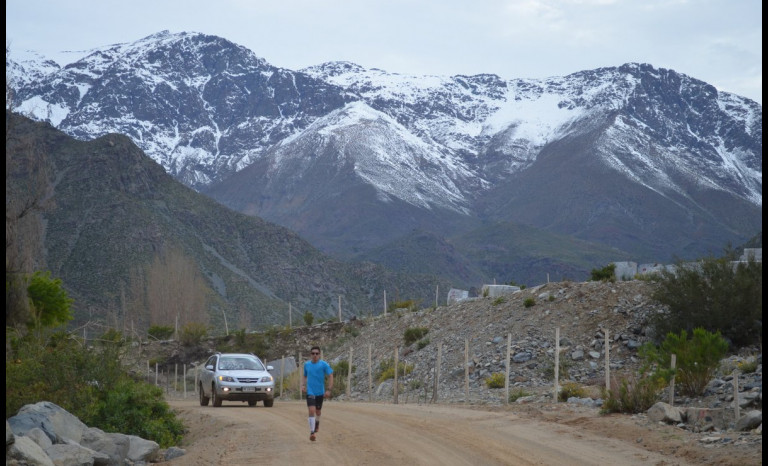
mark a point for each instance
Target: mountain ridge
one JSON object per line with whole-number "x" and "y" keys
{"x": 646, "y": 161}
{"x": 119, "y": 222}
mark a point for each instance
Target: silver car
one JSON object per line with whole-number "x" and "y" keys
{"x": 236, "y": 377}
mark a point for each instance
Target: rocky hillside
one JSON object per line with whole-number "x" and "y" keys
{"x": 583, "y": 311}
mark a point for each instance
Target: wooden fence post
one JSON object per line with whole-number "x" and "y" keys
{"x": 301, "y": 372}
{"x": 466, "y": 370}
{"x": 607, "y": 362}
{"x": 437, "y": 371}
{"x": 557, "y": 363}
{"x": 349, "y": 375}
{"x": 736, "y": 406}
{"x": 197, "y": 372}
{"x": 370, "y": 374}
{"x": 396, "y": 371}
{"x": 673, "y": 362}
{"x": 506, "y": 379}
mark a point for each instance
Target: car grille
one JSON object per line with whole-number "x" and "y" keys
{"x": 248, "y": 379}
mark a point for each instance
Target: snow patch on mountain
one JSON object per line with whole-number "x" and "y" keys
{"x": 386, "y": 155}
{"x": 39, "y": 109}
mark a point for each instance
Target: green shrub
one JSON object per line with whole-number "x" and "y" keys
{"x": 409, "y": 305}
{"x": 193, "y": 333}
{"x": 48, "y": 301}
{"x": 517, "y": 394}
{"x": 112, "y": 337}
{"x": 549, "y": 368}
{"x": 340, "y": 374}
{"x": 499, "y": 300}
{"x": 571, "y": 389}
{"x": 714, "y": 295}
{"x": 496, "y": 380}
{"x": 351, "y": 331}
{"x": 513, "y": 283}
{"x": 633, "y": 394}
{"x": 387, "y": 369}
{"x": 137, "y": 409}
{"x": 697, "y": 358}
{"x": 652, "y": 277}
{"x": 308, "y": 318}
{"x": 340, "y": 369}
{"x": 747, "y": 366}
{"x": 606, "y": 274}
{"x": 90, "y": 383}
{"x": 529, "y": 302}
{"x": 240, "y": 338}
{"x": 244, "y": 342}
{"x": 423, "y": 343}
{"x": 415, "y": 384}
{"x": 413, "y": 334}
{"x": 160, "y": 332}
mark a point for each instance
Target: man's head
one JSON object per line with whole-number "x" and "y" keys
{"x": 315, "y": 353}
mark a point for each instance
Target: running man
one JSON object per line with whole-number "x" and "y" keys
{"x": 315, "y": 371}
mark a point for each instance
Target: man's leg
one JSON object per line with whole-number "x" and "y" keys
{"x": 318, "y": 408}
{"x": 312, "y": 414}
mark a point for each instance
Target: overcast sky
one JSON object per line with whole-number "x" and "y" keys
{"x": 717, "y": 41}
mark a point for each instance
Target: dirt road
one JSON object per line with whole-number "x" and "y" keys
{"x": 387, "y": 434}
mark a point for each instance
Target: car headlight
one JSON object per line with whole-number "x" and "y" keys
{"x": 226, "y": 378}
{"x": 266, "y": 379}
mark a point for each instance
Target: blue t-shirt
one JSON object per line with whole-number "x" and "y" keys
{"x": 315, "y": 374}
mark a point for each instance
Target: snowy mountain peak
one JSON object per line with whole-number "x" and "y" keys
{"x": 206, "y": 108}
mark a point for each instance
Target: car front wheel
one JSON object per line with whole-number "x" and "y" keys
{"x": 268, "y": 403}
{"x": 203, "y": 399}
{"x": 216, "y": 398}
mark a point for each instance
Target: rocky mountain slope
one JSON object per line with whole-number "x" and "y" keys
{"x": 646, "y": 161}
{"x": 116, "y": 227}
{"x": 583, "y": 311}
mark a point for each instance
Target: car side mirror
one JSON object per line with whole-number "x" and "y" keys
{"x": 209, "y": 367}
{"x": 270, "y": 368}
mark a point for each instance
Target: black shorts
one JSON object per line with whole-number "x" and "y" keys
{"x": 316, "y": 401}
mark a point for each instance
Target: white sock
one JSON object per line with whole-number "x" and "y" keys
{"x": 311, "y": 424}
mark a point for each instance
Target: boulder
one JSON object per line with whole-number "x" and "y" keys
{"x": 24, "y": 450}
{"x": 749, "y": 421}
{"x": 704, "y": 419}
{"x": 663, "y": 412}
{"x": 55, "y": 421}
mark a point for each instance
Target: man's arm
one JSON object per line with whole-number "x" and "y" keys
{"x": 330, "y": 383}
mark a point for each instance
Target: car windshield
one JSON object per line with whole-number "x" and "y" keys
{"x": 233, "y": 364}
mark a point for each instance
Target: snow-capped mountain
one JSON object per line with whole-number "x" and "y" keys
{"x": 199, "y": 105}
{"x": 646, "y": 160}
